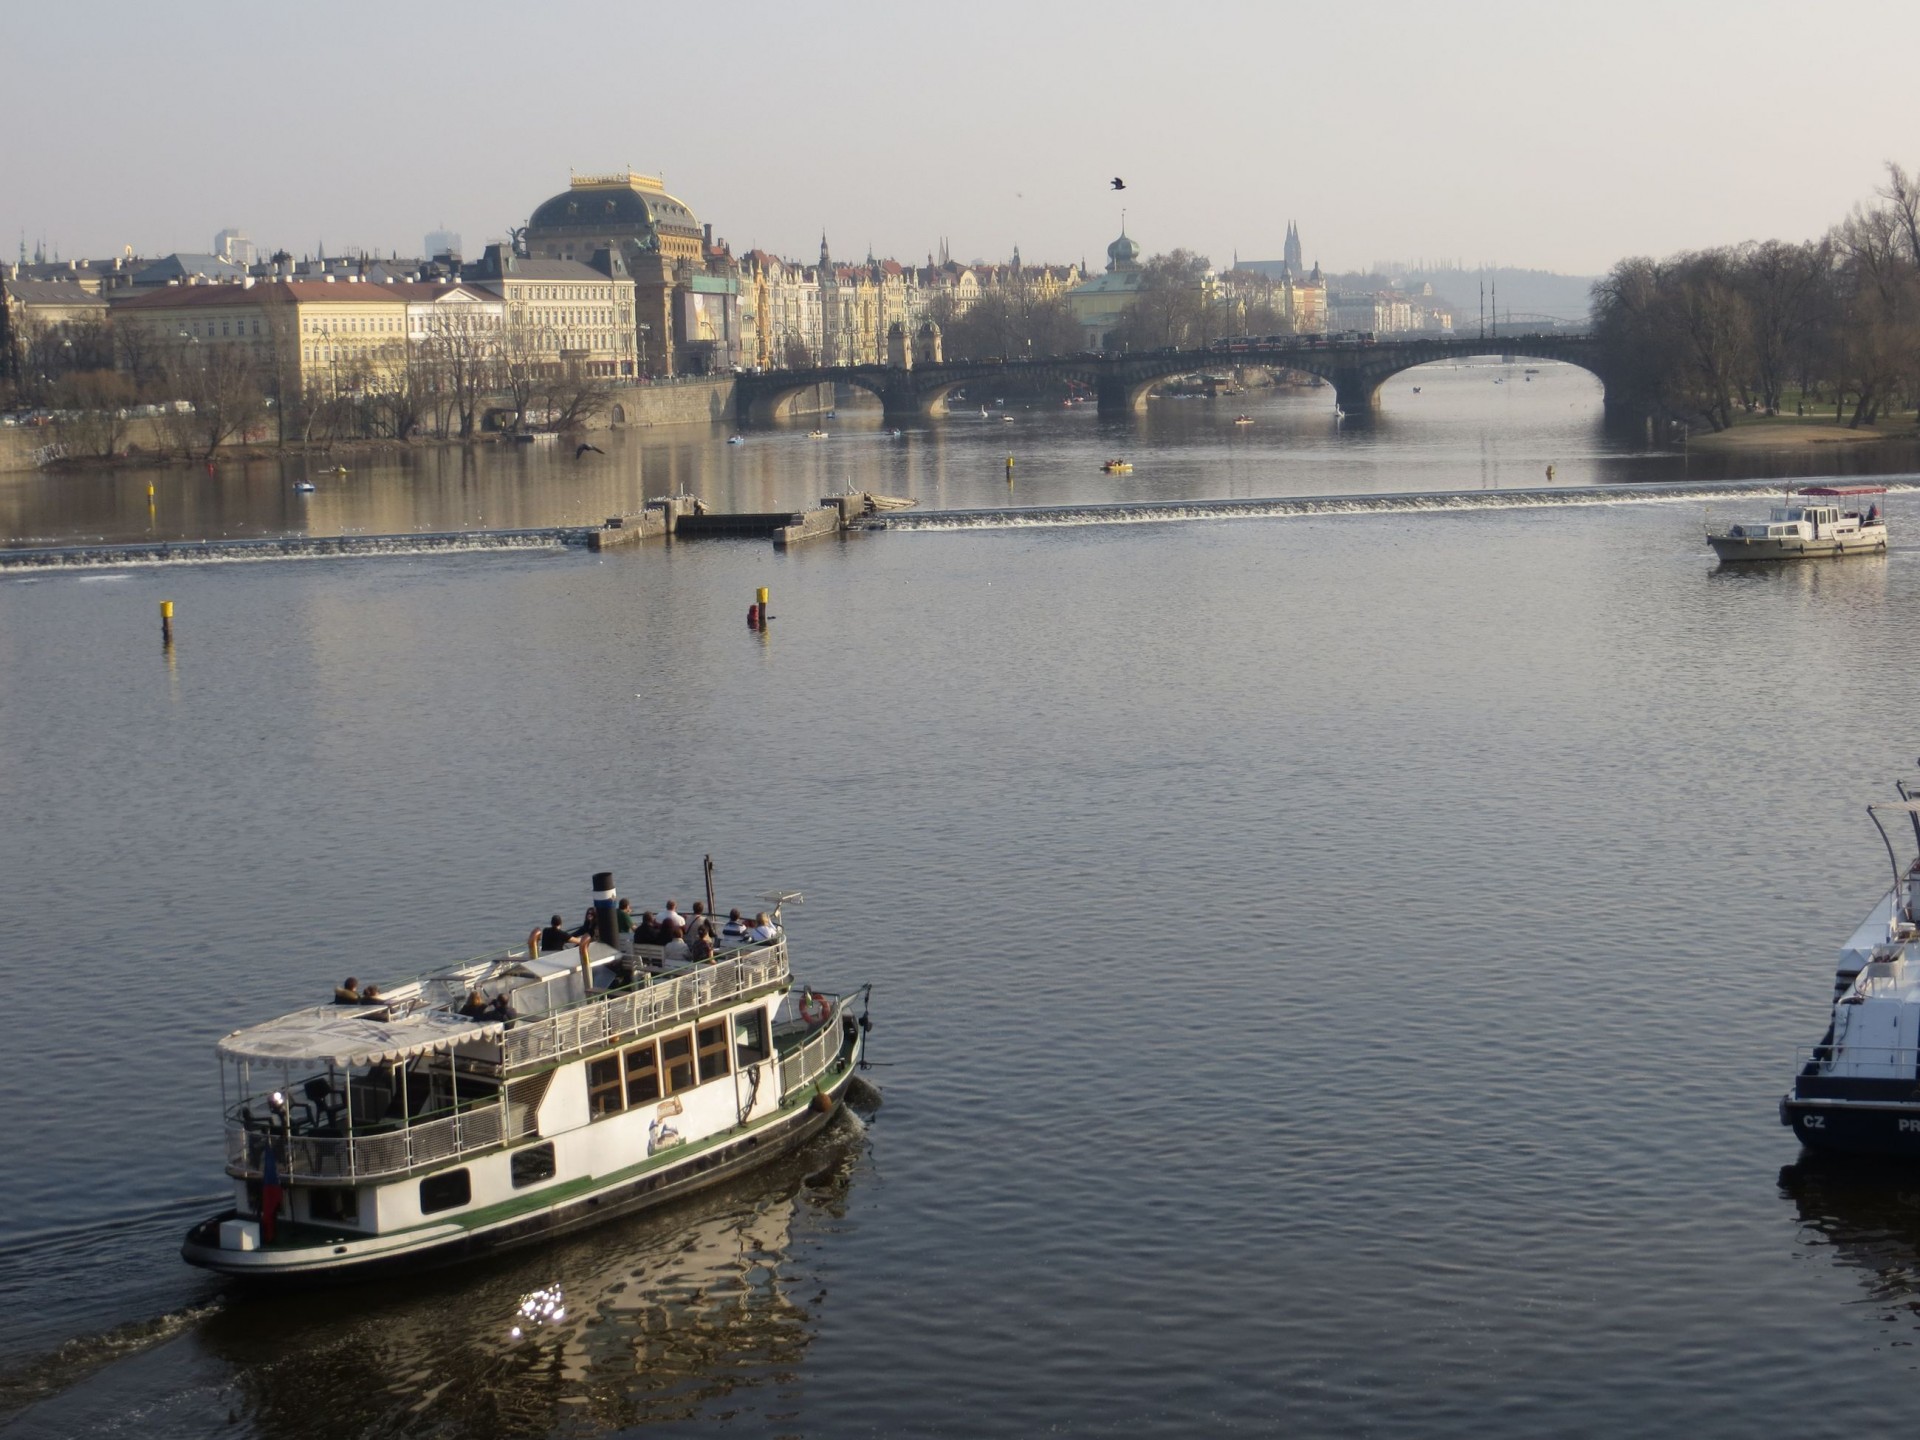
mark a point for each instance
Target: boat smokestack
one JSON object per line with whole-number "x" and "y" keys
{"x": 605, "y": 901}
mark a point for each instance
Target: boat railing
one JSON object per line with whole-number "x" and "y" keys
{"x": 1883, "y": 1062}
{"x": 811, "y": 1060}
{"x": 342, "y": 1159}
{"x": 606, "y": 1018}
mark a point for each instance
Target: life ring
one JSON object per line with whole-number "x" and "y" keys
{"x": 807, "y": 1012}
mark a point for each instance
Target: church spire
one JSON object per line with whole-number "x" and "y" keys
{"x": 825, "y": 258}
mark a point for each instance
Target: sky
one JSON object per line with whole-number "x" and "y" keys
{"x": 1555, "y": 134}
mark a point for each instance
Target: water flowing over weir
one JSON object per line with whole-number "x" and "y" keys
{"x": 1160, "y": 512}
{"x": 287, "y": 547}
{"x": 1147, "y": 512}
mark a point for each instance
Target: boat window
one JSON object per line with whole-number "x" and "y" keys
{"x": 329, "y": 1202}
{"x": 532, "y": 1165}
{"x": 712, "y": 1039}
{"x": 448, "y": 1190}
{"x": 676, "y": 1061}
{"x": 750, "y": 1038}
{"x": 643, "y": 1074}
{"x": 603, "y": 1087}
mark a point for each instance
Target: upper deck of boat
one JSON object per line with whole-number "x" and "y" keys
{"x": 556, "y": 1004}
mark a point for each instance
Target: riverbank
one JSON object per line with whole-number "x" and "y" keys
{"x": 1787, "y": 433}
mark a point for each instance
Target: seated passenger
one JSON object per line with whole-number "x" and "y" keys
{"x": 347, "y": 994}
{"x": 554, "y": 937}
{"x": 763, "y": 929}
{"x": 372, "y": 996}
{"x": 620, "y": 973}
{"x": 700, "y": 947}
{"x": 676, "y": 950}
{"x": 646, "y": 930}
{"x": 478, "y": 1007}
{"x": 734, "y": 932}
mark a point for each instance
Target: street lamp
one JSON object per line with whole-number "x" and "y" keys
{"x": 644, "y": 329}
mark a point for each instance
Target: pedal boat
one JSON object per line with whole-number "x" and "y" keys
{"x": 368, "y": 1139}
{"x": 1807, "y": 527}
{"x": 1858, "y": 1091}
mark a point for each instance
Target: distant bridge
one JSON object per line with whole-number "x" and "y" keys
{"x": 1355, "y": 368}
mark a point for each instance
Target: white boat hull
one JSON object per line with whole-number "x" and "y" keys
{"x": 1870, "y": 540}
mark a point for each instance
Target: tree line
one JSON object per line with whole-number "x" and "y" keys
{"x": 97, "y": 380}
{"x": 1757, "y": 327}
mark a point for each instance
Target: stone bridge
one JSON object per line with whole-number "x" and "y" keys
{"x": 1355, "y": 369}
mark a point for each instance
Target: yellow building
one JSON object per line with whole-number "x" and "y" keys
{"x": 313, "y": 336}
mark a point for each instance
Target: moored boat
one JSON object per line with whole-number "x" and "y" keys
{"x": 516, "y": 1096}
{"x": 1812, "y": 524}
{"x": 1858, "y": 1090}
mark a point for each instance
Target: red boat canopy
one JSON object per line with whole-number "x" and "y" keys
{"x": 1843, "y": 490}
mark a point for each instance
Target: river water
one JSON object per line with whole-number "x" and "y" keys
{"x": 1332, "y": 974}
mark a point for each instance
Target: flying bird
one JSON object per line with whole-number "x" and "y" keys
{"x": 584, "y": 447}
{"x": 1117, "y": 183}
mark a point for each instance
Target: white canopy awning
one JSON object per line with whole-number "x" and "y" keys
{"x": 343, "y": 1039}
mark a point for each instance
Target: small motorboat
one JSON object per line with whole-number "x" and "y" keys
{"x": 1118, "y": 467}
{"x": 1806, "y": 529}
{"x": 736, "y": 439}
{"x": 896, "y": 433}
{"x": 1243, "y": 419}
{"x": 304, "y": 487}
{"x": 816, "y": 435}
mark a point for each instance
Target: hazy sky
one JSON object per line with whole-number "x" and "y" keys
{"x": 1549, "y": 134}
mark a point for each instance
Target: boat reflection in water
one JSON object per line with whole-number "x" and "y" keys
{"x": 636, "y": 1322}
{"x": 1868, "y": 1215}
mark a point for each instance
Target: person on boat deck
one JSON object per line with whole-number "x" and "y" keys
{"x": 623, "y": 927}
{"x": 372, "y": 996}
{"x": 554, "y": 937}
{"x": 700, "y": 947}
{"x": 676, "y": 949}
{"x": 698, "y": 918}
{"x": 347, "y": 994}
{"x": 763, "y": 929}
{"x": 646, "y": 930}
{"x": 620, "y": 973}
{"x": 671, "y": 918}
{"x": 735, "y": 930}
{"x": 478, "y": 1007}
{"x": 1873, "y": 515}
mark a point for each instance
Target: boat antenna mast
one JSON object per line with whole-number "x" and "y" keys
{"x": 1909, "y": 807}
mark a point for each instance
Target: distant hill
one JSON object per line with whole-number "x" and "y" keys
{"x": 1520, "y": 292}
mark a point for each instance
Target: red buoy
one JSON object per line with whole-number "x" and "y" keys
{"x": 753, "y": 617}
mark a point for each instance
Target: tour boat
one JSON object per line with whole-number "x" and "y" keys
{"x": 1806, "y": 528}
{"x": 365, "y": 1137}
{"x": 1858, "y": 1090}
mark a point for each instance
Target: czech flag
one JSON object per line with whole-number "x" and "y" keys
{"x": 269, "y": 1194}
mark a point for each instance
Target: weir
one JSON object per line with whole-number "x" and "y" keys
{"x": 1161, "y": 512}
{"x": 681, "y": 515}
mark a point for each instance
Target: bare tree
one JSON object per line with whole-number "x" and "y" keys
{"x": 1174, "y": 309}
{"x": 573, "y": 398}
{"x": 219, "y": 388}
{"x": 96, "y": 404}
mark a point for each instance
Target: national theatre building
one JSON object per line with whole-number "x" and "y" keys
{"x": 686, "y": 289}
